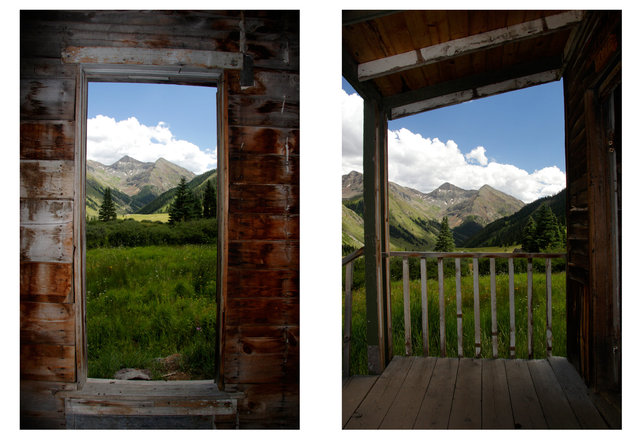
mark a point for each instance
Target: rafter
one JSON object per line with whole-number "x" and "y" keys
{"x": 462, "y": 46}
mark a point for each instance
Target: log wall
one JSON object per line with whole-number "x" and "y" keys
{"x": 259, "y": 325}
{"x": 592, "y": 72}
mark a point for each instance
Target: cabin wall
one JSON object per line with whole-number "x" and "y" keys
{"x": 260, "y": 319}
{"x": 591, "y": 74}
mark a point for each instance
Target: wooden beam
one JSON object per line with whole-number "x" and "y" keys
{"x": 463, "y": 46}
{"x": 350, "y": 73}
{"x": 354, "y": 17}
{"x": 475, "y": 93}
{"x": 207, "y": 59}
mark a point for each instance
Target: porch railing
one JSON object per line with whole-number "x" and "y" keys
{"x": 457, "y": 256}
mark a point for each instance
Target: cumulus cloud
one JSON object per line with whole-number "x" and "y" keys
{"x": 108, "y": 140}
{"x": 425, "y": 163}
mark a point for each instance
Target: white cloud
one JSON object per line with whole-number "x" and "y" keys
{"x": 478, "y": 155}
{"x": 108, "y": 140}
{"x": 424, "y": 163}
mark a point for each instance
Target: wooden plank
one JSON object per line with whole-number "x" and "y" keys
{"x": 476, "y": 309}
{"x": 282, "y": 367}
{"x": 436, "y": 405}
{"x": 261, "y": 140}
{"x": 46, "y": 282}
{"x": 47, "y": 323}
{"x": 267, "y": 169}
{"x": 405, "y": 407}
{"x": 425, "y": 307}
{"x": 530, "y": 308}
{"x": 467, "y": 45}
{"x": 512, "y": 313}
{"x": 247, "y": 283}
{"x": 266, "y": 199}
{"x": 160, "y": 57}
{"x": 555, "y": 406}
{"x": 41, "y": 406}
{"x": 268, "y": 83}
{"x": 47, "y": 243}
{"x": 549, "y": 308}
{"x": 346, "y": 341}
{"x": 164, "y": 421}
{"x": 264, "y": 227}
{"x": 258, "y": 111}
{"x": 47, "y": 99}
{"x": 494, "y": 319}
{"x": 527, "y": 413}
{"x": 443, "y": 340}
{"x": 406, "y": 306}
{"x": 46, "y": 179}
{"x": 39, "y": 211}
{"x": 353, "y": 392}
{"x": 47, "y": 140}
{"x": 264, "y": 254}
{"x": 262, "y": 311}
{"x": 496, "y": 403}
{"x": 577, "y": 394}
{"x": 466, "y": 408}
{"x": 371, "y": 411}
{"x": 45, "y": 362}
{"x": 459, "y": 307}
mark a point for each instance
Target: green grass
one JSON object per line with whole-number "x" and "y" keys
{"x": 151, "y": 302}
{"x": 358, "y": 345}
{"x": 158, "y": 217}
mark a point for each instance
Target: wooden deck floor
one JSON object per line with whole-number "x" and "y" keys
{"x": 451, "y": 393}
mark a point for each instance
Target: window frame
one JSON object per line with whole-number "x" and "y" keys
{"x": 123, "y": 73}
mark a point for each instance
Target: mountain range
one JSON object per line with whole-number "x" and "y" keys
{"x": 136, "y": 186}
{"x": 414, "y": 216}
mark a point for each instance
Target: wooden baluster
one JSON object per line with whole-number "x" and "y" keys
{"x": 476, "y": 308}
{"x": 530, "y": 308}
{"x": 425, "y": 307}
{"x": 346, "y": 344}
{"x": 459, "y": 307}
{"x": 443, "y": 347}
{"x": 512, "y": 313}
{"x": 494, "y": 319}
{"x": 407, "y": 306}
{"x": 549, "y": 308}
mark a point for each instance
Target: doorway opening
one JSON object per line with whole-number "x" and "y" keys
{"x": 151, "y": 231}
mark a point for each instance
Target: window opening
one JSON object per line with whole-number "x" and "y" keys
{"x": 151, "y": 231}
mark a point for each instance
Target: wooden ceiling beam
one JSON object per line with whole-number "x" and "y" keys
{"x": 349, "y": 72}
{"x": 474, "y": 87}
{"x": 463, "y": 46}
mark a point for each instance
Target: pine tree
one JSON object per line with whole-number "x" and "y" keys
{"x": 209, "y": 202}
{"x": 547, "y": 230}
{"x": 185, "y": 205}
{"x": 445, "y": 241}
{"x": 107, "y": 209}
{"x": 529, "y": 241}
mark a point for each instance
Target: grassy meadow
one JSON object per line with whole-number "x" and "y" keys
{"x": 151, "y": 302}
{"x": 358, "y": 339}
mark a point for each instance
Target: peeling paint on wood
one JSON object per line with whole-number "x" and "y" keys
{"x": 47, "y": 323}
{"x": 47, "y": 362}
{"x": 47, "y": 140}
{"x": 46, "y": 179}
{"x": 47, "y": 99}
{"x": 46, "y": 282}
{"x": 47, "y": 243}
{"x": 37, "y": 211}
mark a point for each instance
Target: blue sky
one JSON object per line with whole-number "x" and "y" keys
{"x": 513, "y": 141}
{"x": 171, "y": 121}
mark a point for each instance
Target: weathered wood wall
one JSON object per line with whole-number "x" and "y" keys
{"x": 593, "y": 71}
{"x": 259, "y": 329}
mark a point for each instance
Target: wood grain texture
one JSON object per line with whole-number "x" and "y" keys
{"x": 249, "y": 283}
{"x": 262, "y": 140}
{"x": 466, "y": 408}
{"x": 527, "y": 413}
{"x": 47, "y": 243}
{"x": 47, "y": 179}
{"x": 354, "y": 391}
{"x": 46, "y": 282}
{"x": 38, "y": 211}
{"x": 47, "y": 140}
{"x": 555, "y": 406}
{"x": 55, "y": 363}
{"x": 47, "y": 323}
{"x": 496, "y": 403}
{"x": 262, "y": 311}
{"x": 266, "y": 199}
{"x": 264, "y": 227}
{"x": 436, "y": 404}
{"x": 47, "y": 99}
{"x": 264, "y": 254}
{"x": 267, "y": 169}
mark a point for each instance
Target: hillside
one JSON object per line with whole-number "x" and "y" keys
{"x": 507, "y": 230}
{"x": 161, "y": 203}
{"x": 414, "y": 217}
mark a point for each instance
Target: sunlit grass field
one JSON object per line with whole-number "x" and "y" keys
{"x": 159, "y": 217}
{"x": 151, "y": 302}
{"x": 358, "y": 338}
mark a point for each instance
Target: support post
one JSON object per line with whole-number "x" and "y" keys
{"x": 376, "y": 236}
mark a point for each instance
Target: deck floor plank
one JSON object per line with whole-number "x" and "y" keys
{"x": 375, "y": 405}
{"x": 405, "y": 407}
{"x": 496, "y": 403}
{"x": 555, "y": 406}
{"x": 527, "y": 413}
{"x": 466, "y": 408}
{"x": 577, "y": 394}
{"x": 436, "y": 405}
{"x": 354, "y": 391}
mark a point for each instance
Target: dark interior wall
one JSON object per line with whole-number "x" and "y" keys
{"x": 260, "y": 317}
{"x": 592, "y": 73}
